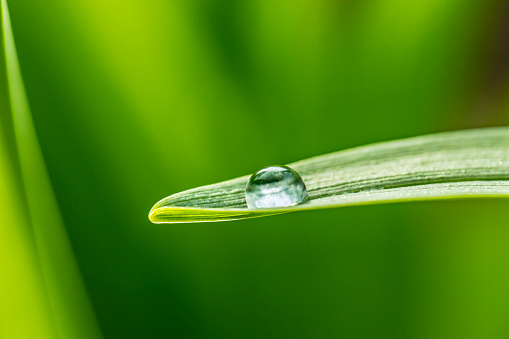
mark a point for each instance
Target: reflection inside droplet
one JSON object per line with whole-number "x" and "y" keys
{"x": 275, "y": 186}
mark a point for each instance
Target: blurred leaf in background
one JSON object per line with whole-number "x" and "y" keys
{"x": 136, "y": 100}
{"x": 43, "y": 295}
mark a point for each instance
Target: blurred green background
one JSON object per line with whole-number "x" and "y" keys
{"x": 135, "y": 100}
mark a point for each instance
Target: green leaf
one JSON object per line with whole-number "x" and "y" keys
{"x": 461, "y": 164}
{"x": 42, "y": 293}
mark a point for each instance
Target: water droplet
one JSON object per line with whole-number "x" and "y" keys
{"x": 275, "y": 186}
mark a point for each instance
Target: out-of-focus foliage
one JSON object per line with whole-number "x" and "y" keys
{"x": 136, "y": 100}
{"x": 42, "y": 292}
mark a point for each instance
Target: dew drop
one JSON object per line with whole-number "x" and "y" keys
{"x": 275, "y": 186}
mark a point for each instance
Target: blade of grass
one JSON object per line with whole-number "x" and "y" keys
{"x": 71, "y": 310}
{"x": 461, "y": 164}
{"x": 22, "y": 290}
